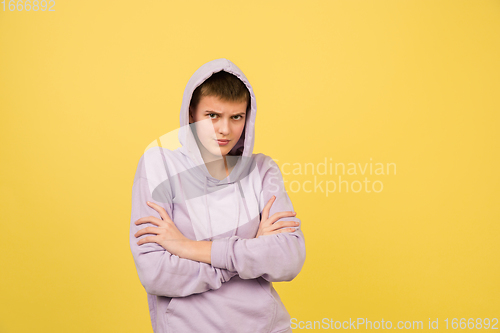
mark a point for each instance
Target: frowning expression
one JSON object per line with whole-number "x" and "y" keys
{"x": 218, "y": 125}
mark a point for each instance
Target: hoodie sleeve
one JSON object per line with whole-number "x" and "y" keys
{"x": 277, "y": 257}
{"x": 160, "y": 272}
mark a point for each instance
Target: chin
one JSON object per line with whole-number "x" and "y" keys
{"x": 224, "y": 150}
{"x": 218, "y": 152}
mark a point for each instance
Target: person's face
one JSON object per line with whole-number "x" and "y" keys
{"x": 215, "y": 120}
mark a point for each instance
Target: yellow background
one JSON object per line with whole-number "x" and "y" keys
{"x": 84, "y": 89}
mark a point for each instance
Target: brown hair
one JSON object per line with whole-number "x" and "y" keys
{"x": 224, "y": 85}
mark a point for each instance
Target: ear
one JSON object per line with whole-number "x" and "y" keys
{"x": 191, "y": 115}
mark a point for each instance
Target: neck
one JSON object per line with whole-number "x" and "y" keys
{"x": 217, "y": 165}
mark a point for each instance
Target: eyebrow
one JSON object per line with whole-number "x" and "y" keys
{"x": 237, "y": 114}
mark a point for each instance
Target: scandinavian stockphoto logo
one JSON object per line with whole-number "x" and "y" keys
{"x": 327, "y": 177}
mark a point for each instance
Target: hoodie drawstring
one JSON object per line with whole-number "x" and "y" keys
{"x": 237, "y": 209}
{"x": 244, "y": 201}
{"x": 206, "y": 209}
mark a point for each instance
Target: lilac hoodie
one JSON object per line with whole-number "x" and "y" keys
{"x": 234, "y": 293}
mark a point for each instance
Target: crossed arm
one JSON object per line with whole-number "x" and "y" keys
{"x": 172, "y": 240}
{"x": 172, "y": 265}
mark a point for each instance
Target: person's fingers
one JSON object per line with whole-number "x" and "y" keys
{"x": 277, "y": 216}
{"x": 148, "y": 230}
{"x": 148, "y": 239}
{"x": 150, "y": 219}
{"x": 267, "y": 207}
{"x": 282, "y": 230}
{"x": 282, "y": 224}
{"x": 163, "y": 213}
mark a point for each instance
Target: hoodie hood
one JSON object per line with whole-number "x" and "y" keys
{"x": 241, "y": 152}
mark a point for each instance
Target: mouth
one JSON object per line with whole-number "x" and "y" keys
{"x": 222, "y": 142}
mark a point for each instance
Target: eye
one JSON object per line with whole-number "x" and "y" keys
{"x": 210, "y": 114}
{"x": 238, "y": 115}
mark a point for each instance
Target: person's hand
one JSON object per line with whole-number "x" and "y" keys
{"x": 167, "y": 234}
{"x": 269, "y": 226}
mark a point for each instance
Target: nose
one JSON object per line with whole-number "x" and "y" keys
{"x": 223, "y": 126}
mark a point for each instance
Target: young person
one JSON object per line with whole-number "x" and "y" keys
{"x": 212, "y": 225}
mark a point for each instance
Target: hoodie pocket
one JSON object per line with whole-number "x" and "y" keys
{"x": 238, "y": 306}
{"x": 170, "y": 305}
